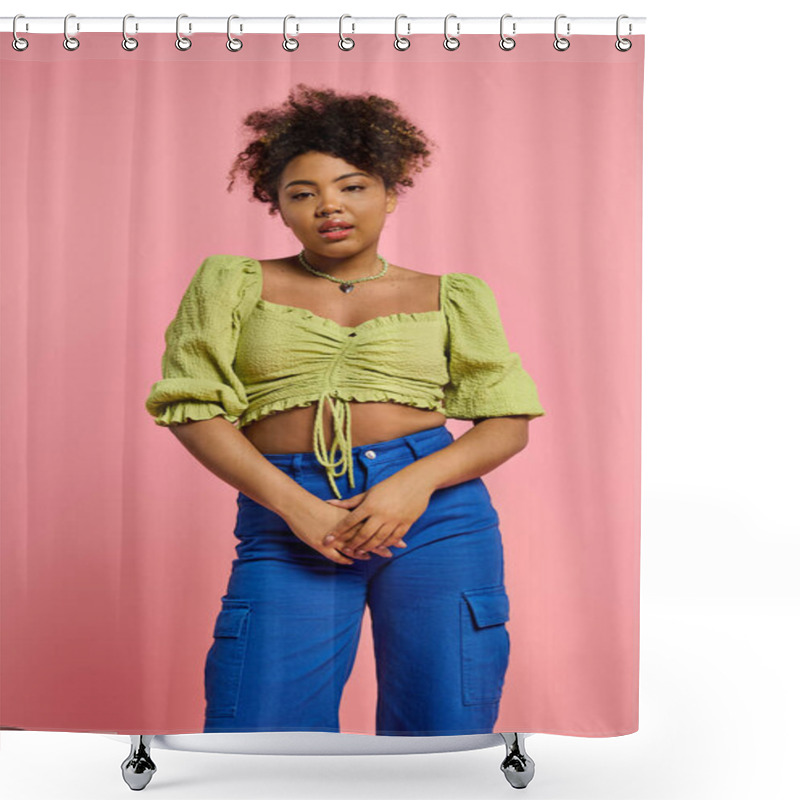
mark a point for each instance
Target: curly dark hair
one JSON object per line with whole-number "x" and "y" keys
{"x": 365, "y": 130}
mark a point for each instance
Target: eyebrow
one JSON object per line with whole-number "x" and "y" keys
{"x": 340, "y": 178}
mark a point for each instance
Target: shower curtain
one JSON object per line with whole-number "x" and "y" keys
{"x": 117, "y": 544}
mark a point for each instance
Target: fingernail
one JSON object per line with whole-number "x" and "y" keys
{"x": 329, "y": 538}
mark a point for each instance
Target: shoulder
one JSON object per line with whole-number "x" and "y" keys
{"x": 279, "y": 272}
{"x": 223, "y": 269}
{"x": 224, "y": 279}
{"x": 226, "y": 263}
{"x": 463, "y": 287}
{"x": 459, "y": 290}
{"x": 464, "y": 279}
{"x": 274, "y": 264}
{"x": 425, "y": 282}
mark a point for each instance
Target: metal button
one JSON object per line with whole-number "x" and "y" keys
{"x": 370, "y": 454}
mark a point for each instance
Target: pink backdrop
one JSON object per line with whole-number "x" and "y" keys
{"x": 116, "y": 543}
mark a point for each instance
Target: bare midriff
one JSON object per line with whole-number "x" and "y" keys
{"x": 292, "y": 430}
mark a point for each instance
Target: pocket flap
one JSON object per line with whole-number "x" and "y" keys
{"x": 230, "y": 620}
{"x": 489, "y": 606}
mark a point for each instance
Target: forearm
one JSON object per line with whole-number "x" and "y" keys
{"x": 480, "y": 450}
{"x": 230, "y": 455}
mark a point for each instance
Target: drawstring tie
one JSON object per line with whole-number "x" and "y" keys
{"x": 334, "y": 466}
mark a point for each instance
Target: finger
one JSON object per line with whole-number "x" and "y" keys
{"x": 398, "y": 535}
{"x": 345, "y": 550}
{"x": 396, "y": 539}
{"x": 383, "y": 539}
{"x": 375, "y": 541}
{"x": 346, "y": 502}
{"x": 359, "y": 556}
{"x": 338, "y": 557}
{"x": 362, "y": 536}
{"x": 342, "y": 531}
{"x": 384, "y": 548}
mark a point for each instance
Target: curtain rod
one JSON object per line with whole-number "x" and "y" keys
{"x": 407, "y": 25}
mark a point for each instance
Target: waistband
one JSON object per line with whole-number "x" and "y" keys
{"x": 419, "y": 444}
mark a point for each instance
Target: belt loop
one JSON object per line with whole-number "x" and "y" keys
{"x": 297, "y": 465}
{"x": 417, "y": 448}
{"x": 423, "y": 443}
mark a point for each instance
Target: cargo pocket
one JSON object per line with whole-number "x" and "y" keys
{"x": 225, "y": 661}
{"x": 485, "y": 644}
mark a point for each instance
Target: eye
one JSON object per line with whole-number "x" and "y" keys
{"x": 304, "y": 194}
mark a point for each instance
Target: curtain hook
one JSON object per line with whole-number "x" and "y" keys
{"x": 289, "y": 42}
{"x": 70, "y": 42}
{"x": 128, "y": 42}
{"x": 623, "y": 45}
{"x": 451, "y": 42}
{"x": 506, "y": 42}
{"x": 233, "y": 44}
{"x": 182, "y": 43}
{"x": 346, "y": 43}
{"x": 17, "y": 42}
{"x": 400, "y": 42}
{"x": 560, "y": 42}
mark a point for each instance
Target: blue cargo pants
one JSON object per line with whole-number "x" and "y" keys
{"x": 286, "y": 636}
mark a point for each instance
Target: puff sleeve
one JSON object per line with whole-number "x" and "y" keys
{"x": 199, "y": 381}
{"x": 486, "y": 378}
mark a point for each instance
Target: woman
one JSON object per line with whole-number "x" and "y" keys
{"x": 342, "y": 450}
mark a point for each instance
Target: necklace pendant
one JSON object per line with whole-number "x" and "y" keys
{"x": 346, "y": 287}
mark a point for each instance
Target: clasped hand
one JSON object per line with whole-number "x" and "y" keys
{"x": 381, "y": 516}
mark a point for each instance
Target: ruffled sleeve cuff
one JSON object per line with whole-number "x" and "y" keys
{"x": 177, "y": 400}
{"x": 487, "y": 379}
{"x": 199, "y": 381}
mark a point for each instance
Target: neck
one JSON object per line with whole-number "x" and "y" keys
{"x": 359, "y": 266}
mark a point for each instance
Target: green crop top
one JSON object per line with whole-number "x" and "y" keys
{"x": 231, "y": 353}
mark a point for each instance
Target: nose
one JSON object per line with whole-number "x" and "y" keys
{"x": 329, "y": 207}
{"x": 328, "y": 203}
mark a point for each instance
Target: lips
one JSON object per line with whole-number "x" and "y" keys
{"x": 331, "y": 225}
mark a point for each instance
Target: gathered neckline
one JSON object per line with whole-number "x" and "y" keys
{"x": 384, "y": 318}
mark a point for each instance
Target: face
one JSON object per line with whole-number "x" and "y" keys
{"x": 316, "y": 187}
